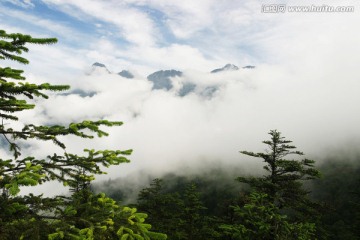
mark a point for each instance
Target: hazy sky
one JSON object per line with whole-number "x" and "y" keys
{"x": 306, "y": 82}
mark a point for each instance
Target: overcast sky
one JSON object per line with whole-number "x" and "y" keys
{"x": 305, "y": 84}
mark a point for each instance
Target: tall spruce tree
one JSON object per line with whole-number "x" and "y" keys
{"x": 284, "y": 182}
{"x": 279, "y": 207}
{"x": 84, "y": 215}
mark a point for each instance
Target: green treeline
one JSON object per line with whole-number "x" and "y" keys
{"x": 219, "y": 203}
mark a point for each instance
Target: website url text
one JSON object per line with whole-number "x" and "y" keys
{"x": 282, "y": 8}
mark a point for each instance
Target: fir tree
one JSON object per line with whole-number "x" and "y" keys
{"x": 284, "y": 182}
{"x": 279, "y": 206}
{"x": 84, "y": 215}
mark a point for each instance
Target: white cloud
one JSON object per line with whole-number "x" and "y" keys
{"x": 133, "y": 25}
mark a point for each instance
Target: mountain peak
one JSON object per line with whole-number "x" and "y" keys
{"x": 99, "y": 68}
{"x": 161, "y": 79}
{"x": 126, "y": 74}
{"x": 231, "y": 66}
{"x": 249, "y": 67}
{"x": 227, "y": 67}
{"x": 97, "y": 64}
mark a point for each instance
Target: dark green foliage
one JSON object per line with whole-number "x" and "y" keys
{"x": 83, "y": 215}
{"x": 339, "y": 190}
{"x": 165, "y": 200}
{"x": 216, "y": 185}
{"x": 260, "y": 219}
{"x": 194, "y": 223}
{"x": 164, "y": 209}
{"x": 181, "y": 215}
{"x": 355, "y": 227}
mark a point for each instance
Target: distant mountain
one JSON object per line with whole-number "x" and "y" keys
{"x": 187, "y": 88}
{"x": 126, "y": 74}
{"x": 99, "y": 68}
{"x": 249, "y": 67}
{"x": 161, "y": 79}
{"x": 97, "y": 64}
{"x": 227, "y": 67}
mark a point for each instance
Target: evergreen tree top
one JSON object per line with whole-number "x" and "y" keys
{"x": 278, "y": 147}
{"x": 282, "y": 182}
{"x": 13, "y": 45}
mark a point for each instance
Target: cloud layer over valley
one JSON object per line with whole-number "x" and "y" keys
{"x": 169, "y": 132}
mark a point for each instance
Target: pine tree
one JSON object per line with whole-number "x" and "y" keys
{"x": 278, "y": 207}
{"x": 284, "y": 182}
{"x": 37, "y": 217}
